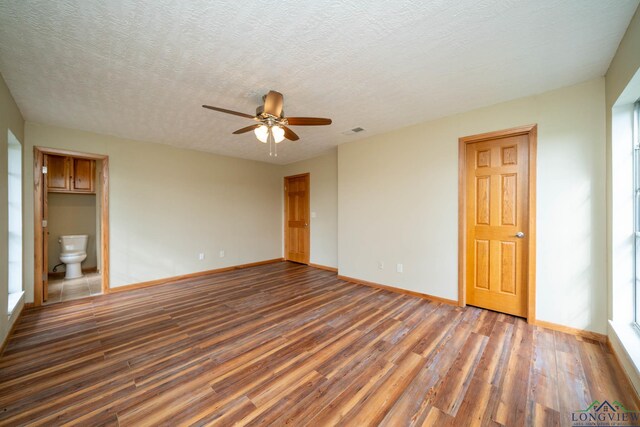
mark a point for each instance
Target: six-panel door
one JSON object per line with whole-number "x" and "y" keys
{"x": 297, "y": 219}
{"x": 496, "y": 214}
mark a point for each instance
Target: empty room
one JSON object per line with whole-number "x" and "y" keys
{"x": 319, "y": 213}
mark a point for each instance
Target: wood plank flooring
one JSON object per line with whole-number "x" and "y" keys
{"x": 284, "y": 344}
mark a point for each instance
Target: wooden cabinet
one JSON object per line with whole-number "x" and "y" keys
{"x": 70, "y": 174}
{"x": 57, "y": 173}
{"x": 83, "y": 175}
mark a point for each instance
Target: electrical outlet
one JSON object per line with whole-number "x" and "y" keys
{"x": 201, "y": 256}
{"x": 399, "y": 268}
{"x": 380, "y": 265}
{"x": 222, "y": 253}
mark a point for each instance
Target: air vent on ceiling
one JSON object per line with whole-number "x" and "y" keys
{"x": 353, "y": 131}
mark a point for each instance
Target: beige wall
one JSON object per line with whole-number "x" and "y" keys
{"x": 71, "y": 214}
{"x": 625, "y": 63}
{"x": 622, "y": 83}
{"x": 10, "y": 120}
{"x": 167, "y": 205}
{"x": 398, "y": 203}
{"x": 324, "y": 203}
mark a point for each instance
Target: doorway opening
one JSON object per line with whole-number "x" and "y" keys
{"x": 297, "y": 247}
{"x": 71, "y": 227}
{"x": 496, "y": 221}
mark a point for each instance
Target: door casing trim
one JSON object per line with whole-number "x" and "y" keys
{"x": 532, "y": 132}
{"x": 38, "y": 158}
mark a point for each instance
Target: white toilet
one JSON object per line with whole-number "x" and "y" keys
{"x": 73, "y": 250}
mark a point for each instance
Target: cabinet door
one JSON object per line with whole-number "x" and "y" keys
{"x": 57, "y": 173}
{"x": 82, "y": 177}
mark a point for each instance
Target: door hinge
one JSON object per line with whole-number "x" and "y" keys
{"x": 44, "y": 223}
{"x": 44, "y": 169}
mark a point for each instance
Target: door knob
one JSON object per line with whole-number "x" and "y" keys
{"x": 519, "y": 234}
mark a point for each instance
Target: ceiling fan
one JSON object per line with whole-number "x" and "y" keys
{"x": 272, "y": 124}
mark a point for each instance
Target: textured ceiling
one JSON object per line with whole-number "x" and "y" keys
{"x": 141, "y": 69}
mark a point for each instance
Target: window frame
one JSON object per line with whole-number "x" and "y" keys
{"x": 636, "y": 212}
{"x": 15, "y": 222}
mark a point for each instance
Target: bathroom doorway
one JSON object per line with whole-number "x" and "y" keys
{"x": 71, "y": 205}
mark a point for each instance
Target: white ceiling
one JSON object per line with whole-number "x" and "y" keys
{"x": 142, "y": 69}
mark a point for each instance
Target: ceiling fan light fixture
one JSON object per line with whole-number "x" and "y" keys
{"x": 278, "y": 134}
{"x": 272, "y": 126}
{"x": 262, "y": 133}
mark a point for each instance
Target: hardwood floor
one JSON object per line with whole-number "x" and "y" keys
{"x": 288, "y": 344}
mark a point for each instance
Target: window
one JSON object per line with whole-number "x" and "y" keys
{"x": 636, "y": 207}
{"x": 14, "y": 205}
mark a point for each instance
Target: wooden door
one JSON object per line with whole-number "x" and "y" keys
{"x": 45, "y": 230}
{"x": 497, "y": 218}
{"x": 296, "y": 211}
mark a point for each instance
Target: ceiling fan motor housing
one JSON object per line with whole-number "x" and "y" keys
{"x": 260, "y": 111}
{"x": 277, "y": 122}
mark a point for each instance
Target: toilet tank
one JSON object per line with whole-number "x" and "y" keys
{"x": 75, "y": 243}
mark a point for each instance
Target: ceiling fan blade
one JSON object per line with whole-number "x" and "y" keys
{"x": 308, "y": 121}
{"x": 289, "y": 134}
{"x": 223, "y": 110}
{"x": 247, "y": 129}
{"x": 273, "y": 103}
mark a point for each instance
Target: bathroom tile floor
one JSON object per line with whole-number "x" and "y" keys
{"x": 65, "y": 290}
